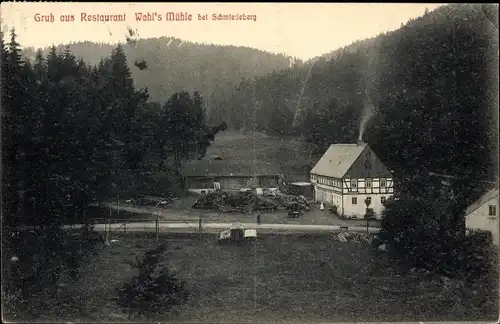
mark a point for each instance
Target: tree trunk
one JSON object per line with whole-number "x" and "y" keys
{"x": 178, "y": 170}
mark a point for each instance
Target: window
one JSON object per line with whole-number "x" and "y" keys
{"x": 493, "y": 210}
{"x": 383, "y": 183}
{"x": 368, "y": 183}
{"x": 354, "y": 184}
{"x": 354, "y": 200}
{"x": 382, "y": 200}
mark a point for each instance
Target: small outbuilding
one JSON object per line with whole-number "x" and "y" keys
{"x": 228, "y": 175}
{"x": 305, "y": 189}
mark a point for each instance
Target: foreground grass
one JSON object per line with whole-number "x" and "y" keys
{"x": 285, "y": 277}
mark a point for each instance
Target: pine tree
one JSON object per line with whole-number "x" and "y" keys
{"x": 154, "y": 290}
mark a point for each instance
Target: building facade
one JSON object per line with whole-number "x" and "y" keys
{"x": 208, "y": 175}
{"x": 483, "y": 215}
{"x": 347, "y": 175}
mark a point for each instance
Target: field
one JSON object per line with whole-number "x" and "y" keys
{"x": 291, "y": 154}
{"x": 299, "y": 277}
{"x": 239, "y": 146}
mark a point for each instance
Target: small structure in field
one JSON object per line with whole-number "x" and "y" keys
{"x": 302, "y": 189}
{"x": 237, "y": 234}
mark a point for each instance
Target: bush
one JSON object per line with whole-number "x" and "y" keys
{"x": 425, "y": 233}
{"x": 479, "y": 254}
{"x": 30, "y": 283}
{"x": 155, "y": 290}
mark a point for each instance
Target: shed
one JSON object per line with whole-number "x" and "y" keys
{"x": 302, "y": 189}
{"x": 230, "y": 175}
{"x": 237, "y": 232}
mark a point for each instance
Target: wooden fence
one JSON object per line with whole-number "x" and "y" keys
{"x": 111, "y": 226}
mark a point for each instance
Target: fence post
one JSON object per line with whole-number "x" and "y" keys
{"x": 107, "y": 228}
{"x": 157, "y": 227}
{"x": 200, "y": 222}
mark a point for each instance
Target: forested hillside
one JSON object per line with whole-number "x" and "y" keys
{"x": 70, "y": 131}
{"x": 174, "y": 65}
{"x": 73, "y": 129}
{"x": 424, "y": 94}
{"x": 354, "y": 47}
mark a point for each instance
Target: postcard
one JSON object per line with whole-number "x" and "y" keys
{"x": 249, "y": 162}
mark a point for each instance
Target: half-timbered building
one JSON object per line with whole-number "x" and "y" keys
{"x": 347, "y": 174}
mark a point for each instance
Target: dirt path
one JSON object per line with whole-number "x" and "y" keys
{"x": 217, "y": 227}
{"x": 313, "y": 217}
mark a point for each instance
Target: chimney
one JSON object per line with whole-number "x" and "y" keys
{"x": 360, "y": 142}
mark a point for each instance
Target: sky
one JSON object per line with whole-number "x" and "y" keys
{"x": 302, "y": 30}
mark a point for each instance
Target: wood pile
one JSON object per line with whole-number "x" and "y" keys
{"x": 288, "y": 201}
{"x": 246, "y": 202}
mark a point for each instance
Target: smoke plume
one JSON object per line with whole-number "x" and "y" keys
{"x": 366, "y": 115}
{"x": 370, "y": 81}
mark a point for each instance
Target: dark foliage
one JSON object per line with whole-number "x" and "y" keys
{"x": 427, "y": 87}
{"x": 69, "y": 130}
{"x": 211, "y": 69}
{"x": 141, "y": 65}
{"x": 155, "y": 290}
{"x": 32, "y": 264}
{"x": 479, "y": 254}
{"x": 426, "y": 233}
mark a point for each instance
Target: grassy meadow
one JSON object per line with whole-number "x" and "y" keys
{"x": 294, "y": 277}
{"x": 290, "y": 154}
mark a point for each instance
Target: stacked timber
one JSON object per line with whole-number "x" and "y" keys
{"x": 240, "y": 201}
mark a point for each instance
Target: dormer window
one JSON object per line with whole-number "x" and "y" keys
{"x": 354, "y": 183}
{"x": 383, "y": 183}
{"x": 368, "y": 183}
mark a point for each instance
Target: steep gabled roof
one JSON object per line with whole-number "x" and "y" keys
{"x": 228, "y": 168}
{"x": 492, "y": 194}
{"x": 338, "y": 159}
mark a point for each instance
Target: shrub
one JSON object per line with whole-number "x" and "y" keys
{"x": 479, "y": 254}
{"x": 370, "y": 213}
{"x": 155, "y": 290}
{"x": 426, "y": 233}
{"x": 30, "y": 284}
